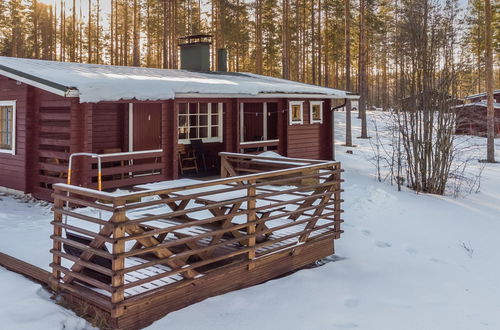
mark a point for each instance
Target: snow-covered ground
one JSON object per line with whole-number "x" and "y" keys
{"x": 405, "y": 261}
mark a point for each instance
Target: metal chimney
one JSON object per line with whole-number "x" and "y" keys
{"x": 222, "y": 60}
{"x": 195, "y": 52}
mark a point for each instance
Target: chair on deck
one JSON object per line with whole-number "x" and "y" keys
{"x": 199, "y": 151}
{"x": 187, "y": 161}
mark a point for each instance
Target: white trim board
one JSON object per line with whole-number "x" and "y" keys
{"x": 13, "y": 104}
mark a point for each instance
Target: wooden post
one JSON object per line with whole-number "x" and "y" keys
{"x": 236, "y": 125}
{"x": 118, "y": 263}
{"x": 228, "y": 120}
{"x": 251, "y": 218}
{"x": 282, "y": 126}
{"x": 169, "y": 139}
{"x": 81, "y": 140}
{"x": 327, "y": 132}
{"x": 224, "y": 173}
{"x": 32, "y": 121}
{"x": 56, "y": 245}
{"x": 86, "y": 143}
{"x": 76, "y": 125}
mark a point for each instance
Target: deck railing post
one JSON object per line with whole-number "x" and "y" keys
{"x": 251, "y": 218}
{"x": 224, "y": 173}
{"x": 118, "y": 263}
{"x": 57, "y": 245}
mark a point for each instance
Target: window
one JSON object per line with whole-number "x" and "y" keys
{"x": 316, "y": 112}
{"x": 200, "y": 121}
{"x": 296, "y": 112}
{"x": 7, "y": 126}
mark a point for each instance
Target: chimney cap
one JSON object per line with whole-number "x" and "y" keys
{"x": 196, "y": 39}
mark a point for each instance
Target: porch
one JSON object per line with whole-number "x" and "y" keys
{"x": 144, "y": 142}
{"x": 133, "y": 257}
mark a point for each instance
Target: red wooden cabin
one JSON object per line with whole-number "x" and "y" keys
{"x": 141, "y": 118}
{"x": 471, "y": 117}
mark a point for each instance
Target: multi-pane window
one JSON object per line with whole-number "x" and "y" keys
{"x": 200, "y": 121}
{"x": 7, "y": 122}
{"x": 316, "y": 112}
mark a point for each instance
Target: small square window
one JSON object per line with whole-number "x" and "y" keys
{"x": 316, "y": 112}
{"x": 296, "y": 112}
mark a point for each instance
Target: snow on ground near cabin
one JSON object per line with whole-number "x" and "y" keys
{"x": 400, "y": 264}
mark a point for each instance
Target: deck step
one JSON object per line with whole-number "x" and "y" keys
{"x": 24, "y": 268}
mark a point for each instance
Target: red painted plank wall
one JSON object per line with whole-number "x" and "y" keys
{"x": 309, "y": 140}
{"x": 13, "y": 167}
{"x": 108, "y": 126}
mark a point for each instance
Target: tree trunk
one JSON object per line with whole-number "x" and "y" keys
{"x": 258, "y": 36}
{"x": 490, "y": 156}
{"x": 90, "y": 32}
{"x": 137, "y": 26}
{"x": 348, "y": 125}
{"x": 362, "y": 69}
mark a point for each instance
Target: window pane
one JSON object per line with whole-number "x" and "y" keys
{"x": 182, "y": 121}
{"x": 193, "y": 108}
{"x": 183, "y": 134}
{"x": 193, "y": 133}
{"x": 215, "y": 119}
{"x": 215, "y": 131}
{"x": 296, "y": 112}
{"x": 182, "y": 108}
{"x": 193, "y": 120}
{"x": 203, "y": 120}
{"x": 203, "y": 132}
{"x": 213, "y": 108}
{"x": 203, "y": 107}
{"x": 316, "y": 112}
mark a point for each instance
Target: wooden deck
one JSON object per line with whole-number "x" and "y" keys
{"x": 135, "y": 257}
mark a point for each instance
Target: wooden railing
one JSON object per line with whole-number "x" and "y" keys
{"x": 234, "y": 164}
{"x": 258, "y": 146}
{"x": 117, "y": 249}
{"x": 126, "y": 169}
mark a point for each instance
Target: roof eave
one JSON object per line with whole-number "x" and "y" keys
{"x": 37, "y": 82}
{"x": 264, "y": 95}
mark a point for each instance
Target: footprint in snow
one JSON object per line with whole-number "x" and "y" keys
{"x": 411, "y": 250}
{"x": 381, "y": 244}
{"x": 351, "y": 302}
{"x": 438, "y": 261}
{"x": 366, "y": 232}
{"x": 348, "y": 325}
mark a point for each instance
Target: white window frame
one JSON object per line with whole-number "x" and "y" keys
{"x": 13, "y": 105}
{"x": 220, "y": 132}
{"x": 311, "y": 119}
{"x": 290, "y": 120}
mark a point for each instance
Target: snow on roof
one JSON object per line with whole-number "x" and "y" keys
{"x": 477, "y": 104}
{"x": 95, "y": 83}
{"x": 481, "y": 94}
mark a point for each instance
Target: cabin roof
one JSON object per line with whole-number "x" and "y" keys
{"x": 481, "y": 95}
{"x": 95, "y": 83}
{"x": 477, "y": 104}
